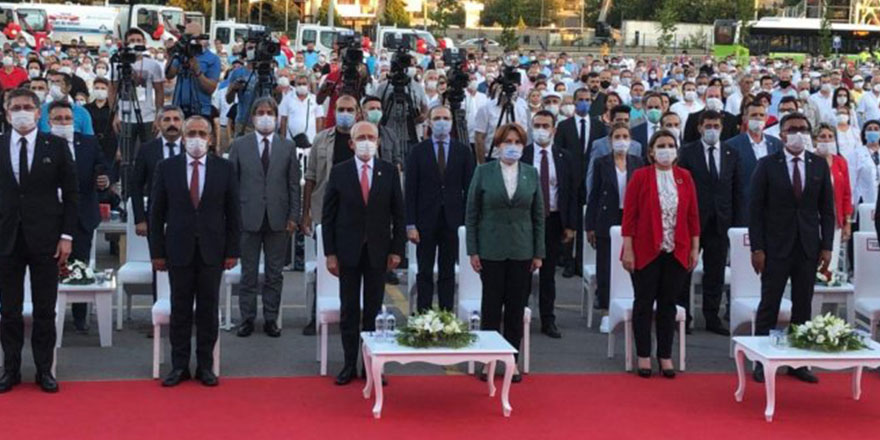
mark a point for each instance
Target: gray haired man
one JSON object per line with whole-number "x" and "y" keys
{"x": 268, "y": 174}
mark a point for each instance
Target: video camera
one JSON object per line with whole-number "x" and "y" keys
{"x": 351, "y": 51}
{"x": 187, "y": 47}
{"x": 266, "y": 47}
{"x": 457, "y": 78}
{"x": 127, "y": 54}
{"x": 400, "y": 61}
{"x": 509, "y": 80}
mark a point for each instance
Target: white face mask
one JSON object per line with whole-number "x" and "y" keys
{"x": 824, "y": 148}
{"x": 552, "y": 108}
{"x": 99, "y": 94}
{"x": 365, "y": 150}
{"x": 798, "y": 142}
{"x": 55, "y": 92}
{"x": 41, "y": 94}
{"x": 711, "y": 135}
{"x": 196, "y": 147}
{"x": 63, "y": 131}
{"x": 567, "y": 109}
{"x": 756, "y": 126}
{"x": 665, "y": 156}
{"x": 542, "y": 136}
{"x": 22, "y": 120}
{"x": 34, "y": 73}
{"x": 284, "y": 81}
{"x": 264, "y": 124}
{"x": 302, "y": 90}
{"x": 690, "y": 96}
{"x": 620, "y": 146}
{"x": 7, "y": 61}
{"x": 714, "y": 104}
{"x": 841, "y": 100}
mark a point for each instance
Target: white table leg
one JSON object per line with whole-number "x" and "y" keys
{"x": 509, "y": 366}
{"x": 741, "y": 375}
{"x": 61, "y": 308}
{"x": 770, "y": 388}
{"x": 490, "y": 378}
{"x": 104, "y": 304}
{"x": 368, "y": 369}
{"x": 857, "y": 383}
{"x": 850, "y": 309}
{"x": 120, "y": 298}
{"x": 377, "y": 374}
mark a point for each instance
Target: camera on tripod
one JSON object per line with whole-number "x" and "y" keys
{"x": 350, "y": 45}
{"x": 266, "y": 48}
{"x": 400, "y": 61}
{"x": 187, "y": 47}
{"x": 509, "y": 80}
{"x": 457, "y": 78}
{"x": 127, "y": 54}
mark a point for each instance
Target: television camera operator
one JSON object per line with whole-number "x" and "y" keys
{"x": 255, "y": 79}
{"x": 197, "y": 71}
{"x": 351, "y": 79}
{"x": 149, "y": 79}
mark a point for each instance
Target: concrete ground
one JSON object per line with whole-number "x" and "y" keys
{"x": 581, "y": 350}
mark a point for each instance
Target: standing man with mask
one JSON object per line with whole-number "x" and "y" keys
{"x": 752, "y": 146}
{"x": 268, "y": 179}
{"x": 791, "y": 229}
{"x": 559, "y": 188}
{"x": 437, "y": 178}
{"x": 59, "y": 90}
{"x": 91, "y": 171}
{"x": 193, "y": 90}
{"x": 489, "y": 118}
{"x": 149, "y": 79}
{"x": 363, "y": 233}
{"x": 729, "y": 123}
{"x": 390, "y": 150}
{"x": 194, "y": 235}
{"x": 243, "y": 86}
{"x": 300, "y": 113}
{"x": 36, "y": 232}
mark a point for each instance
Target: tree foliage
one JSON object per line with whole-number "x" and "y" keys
{"x": 447, "y": 13}
{"x": 322, "y": 14}
{"x": 395, "y": 14}
{"x": 825, "y": 34}
{"x": 511, "y": 12}
{"x": 668, "y": 17}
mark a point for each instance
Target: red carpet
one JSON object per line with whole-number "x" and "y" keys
{"x": 444, "y": 407}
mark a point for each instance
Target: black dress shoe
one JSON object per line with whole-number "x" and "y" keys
{"x": 803, "y": 375}
{"x": 47, "y": 382}
{"x": 669, "y": 374}
{"x": 517, "y": 378}
{"x": 345, "y": 376}
{"x": 551, "y": 330}
{"x": 207, "y": 377}
{"x": 758, "y": 373}
{"x": 175, "y": 377}
{"x": 9, "y": 380}
{"x": 245, "y": 329}
{"x": 309, "y": 329}
{"x": 271, "y": 329}
{"x": 644, "y": 372}
{"x": 715, "y": 326}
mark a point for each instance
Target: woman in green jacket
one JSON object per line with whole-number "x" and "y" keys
{"x": 505, "y": 233}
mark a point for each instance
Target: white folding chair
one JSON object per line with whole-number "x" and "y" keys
{"x": 866, "y": 217}
{"x": 697, "y": 280}
{"x": 310, "y": 274}
{"x": 621, "y": 297}
{"x": 162, "y": 317}
{"x": 866, "y": 261}
{"x": 470, "y": 297}
{"x": 745, "y": 286}
{"x": 327, "y": 304}
{"x": 590, "y": 283}
{"x": 137, "y": 269}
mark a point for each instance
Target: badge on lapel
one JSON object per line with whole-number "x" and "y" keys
{"x": 47, "y": 160}
{"x": 378, "y": 173}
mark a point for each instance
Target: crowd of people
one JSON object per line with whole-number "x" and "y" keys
{"x": 560, "y": 148}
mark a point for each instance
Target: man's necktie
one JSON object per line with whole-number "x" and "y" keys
{"x": 194, "y": 185}
{"x": 441, "y": 158}
{"x": 875, "y": 156}
{"x": 545, "y": 181}
{"x": 170, "y": 146}
{"x": 365, "y": 182}
{"x": 796, "y": 179}
{"x": 23, "y": 170}
{"x": 713, "y": 169}
{"x": 583, "y": 137}
{"x": 265, "y": 156}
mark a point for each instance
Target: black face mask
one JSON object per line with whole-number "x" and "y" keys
{"x": 605, "y": 84}
{"x": 784, "y": 84}
{"x": 533, "y": 78}
{"x": 584, "y": 78}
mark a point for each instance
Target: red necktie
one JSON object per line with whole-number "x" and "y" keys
{"x": 545, "y": 181}
{"x": 194, "y": 185}
{"x": 365, "y": 182}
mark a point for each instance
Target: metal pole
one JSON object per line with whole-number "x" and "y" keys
{"x": 213, "y": 14}
{"x": 286, "y": 16}
{"x": 226, "y": 10}
{"x": 425, "y": 14}
{"x": 541, "y": 23}
{"x": 330, "y": 12}
{"x": 260, "y": 5}
{"x": 238, "y": 11}
{"x": 583, "y": 7}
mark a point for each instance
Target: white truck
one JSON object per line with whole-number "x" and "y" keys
{"x": 22, "y": 19}
{"x": 228, "y": 32}
{"x": 323, "y": 36}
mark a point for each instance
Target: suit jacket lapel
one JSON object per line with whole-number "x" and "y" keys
{"x": 781, "y": 162}
{"x": 275, "y": 153}
{"x": 40, "y": 151}
{"x": 5, "y": 159}
{"x": 376, "y": 176}
{"x": 611, "y": 174}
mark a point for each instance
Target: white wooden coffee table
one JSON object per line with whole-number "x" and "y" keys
{"x": 99, "y": 293}
{"x": 490, "y": 347}
{"x": 759, "y": 349}
{"x": 843, "y": 294}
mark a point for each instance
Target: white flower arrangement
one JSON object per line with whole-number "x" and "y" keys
{"x": 826, "y": 333}
{"x": 77, "y": 273}
{"x": 830, "y": 279}
{"x": 434, "y": 328}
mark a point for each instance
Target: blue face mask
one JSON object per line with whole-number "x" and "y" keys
{"x": 345, "y": 120}
{"x": 582, "y": 107}
{"x": 872, "y": 136}
{"x": 441, "y": 127}
{"x": 511, "y": 152}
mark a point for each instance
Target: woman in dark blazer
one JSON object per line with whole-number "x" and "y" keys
{"x": 661, "y": 244}
{"x": 505, "y": 233}
{"x": 605, "y": 205}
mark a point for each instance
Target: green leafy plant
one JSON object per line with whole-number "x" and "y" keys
{"x": 825, "y": 333}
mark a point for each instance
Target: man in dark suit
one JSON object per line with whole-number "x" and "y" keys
{"x": 195, "y": 232}
{"x": 170, "y": 121}
{"x": 752, "y": 146}
{"x": 438, "y": 174}
{"x": 559, "y": 187}
{"x": 729, "y": 123}
{"x": 576, "y": 135}
{"x": 363, "y": 233}
{"x": 36, "y": 232}
{"x": 91, "y": 172}
{"x": 653, "y": 112}
{"x": 791, "y": 228}
{"x": 597, "y": 95}
{"x": 714, "y": 166}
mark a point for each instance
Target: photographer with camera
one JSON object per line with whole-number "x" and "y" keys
{"x": 349, "y": 78}
{"x": 254, "y": 79}
{"x": 197, "y": 71}
{"x": 505, "y": 107}
{"x": 149, "y": 79}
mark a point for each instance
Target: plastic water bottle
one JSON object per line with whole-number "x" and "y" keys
{"x": 390, "y": 325}
{"x": 474, "y": 323}
{"x": 379, "y": 331}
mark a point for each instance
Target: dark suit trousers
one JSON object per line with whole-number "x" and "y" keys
{"x": 659, "y": 281}
{"x": 506, "y": 286}
{"x": 714, "y": 246}
{"x": 578, "y": 252}
{"x": 547, "y": 274}
{"x": 801, "y": 268}
{"x": 442, "y": 244}
{"x": 82, "y": 249}
{"x": 199, "y": 283}
{"x": 350, "y": 299}
{"x": 44, "y": 293}
{"x": 603, "y": 271}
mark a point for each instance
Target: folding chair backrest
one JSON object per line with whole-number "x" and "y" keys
{"x": 327, "y": 284}
{"x": 866, "y": 217}
{"x": 136, "y": 247}
{"x": 620, "y": 285}
{"x": 866, "y": 265}
{"x": 470, "y": 286}
{"x": 744, "y": 282}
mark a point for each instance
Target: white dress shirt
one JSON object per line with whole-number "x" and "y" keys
{"x": 554, "y": 185}
{"x": 359, "y": 165}
{"x": 869, "y": 106}
{"x": 15, "y": 150}
{"x": 176, "y": 147}
{"x": 621, "y": 185}
{"x": 760, "y": 148}
{"x": 189, "y": 172}
{"x": 72, "y": 149}
{"x": 789, "y": 163}
{"x": 867, "y": 177}
{"x": 716, "y": 155}
{"x": 510, "y": 174}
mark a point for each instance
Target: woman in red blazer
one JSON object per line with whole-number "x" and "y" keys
{"x": 661, "y": 244}
{"x": 826, "y": 147}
